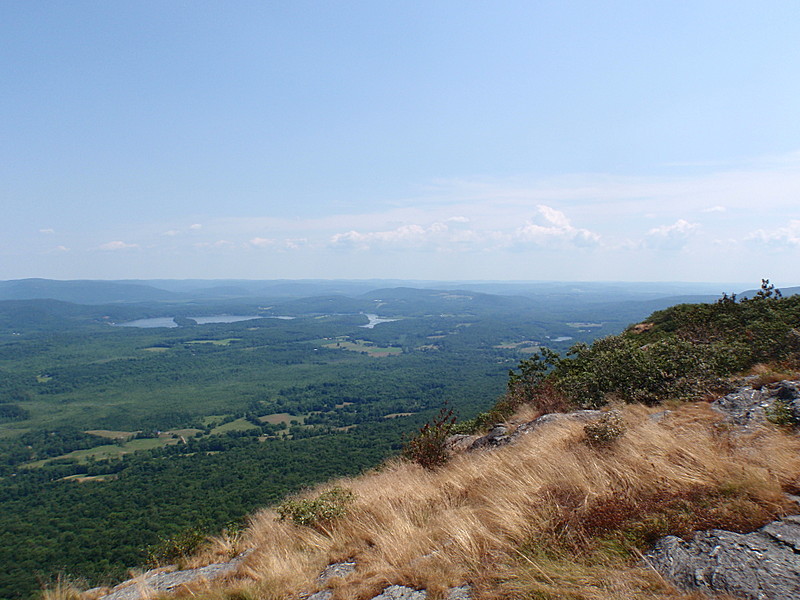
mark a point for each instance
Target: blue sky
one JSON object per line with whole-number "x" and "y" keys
{"x": 655, "y": 141}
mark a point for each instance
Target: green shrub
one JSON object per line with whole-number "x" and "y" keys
{"x": 176, "y": 548}
{"x": 781, "y": 413}
{"x": 429, "y": 447}
{"x": 317, "y": 512}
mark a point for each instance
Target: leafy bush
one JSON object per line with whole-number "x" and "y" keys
{"x": 683, "y": 352}
{"x": 317, "y": 512}
{"x": 605, "y": 430}
{"x": 781, "y": 413}
{"x": 173, "y": 549}
{"x": 429, "y": 447}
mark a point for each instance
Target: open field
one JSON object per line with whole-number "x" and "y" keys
{"x": 278, "y": 418}
{"x": 112, "y": 435}
{"x": 109, "y": 450}
{"x": 237, "y": 425}
{"x": 365, "y": 347}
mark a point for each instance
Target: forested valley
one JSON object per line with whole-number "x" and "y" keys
{"x": 115, "y": 439}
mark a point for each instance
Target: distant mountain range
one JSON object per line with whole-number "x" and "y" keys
{"x": 168, "y": 290}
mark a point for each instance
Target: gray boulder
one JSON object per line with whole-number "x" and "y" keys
{"x": 763, "y": 565}
{"x": 500, "y": 436}
{"x": 160, "y": 581}
{"x": 747, "y": 407}
{"x": 497, "y": 436}
{"x": 340, "y": 569}
{"x": 578, "y": 415}
{"x": 401, "y": 592}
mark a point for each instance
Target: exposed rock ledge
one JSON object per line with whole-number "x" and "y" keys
{"x": 763, "y": 565}
{"x": 748, "y": 407}
{"x": 161, "y": 581}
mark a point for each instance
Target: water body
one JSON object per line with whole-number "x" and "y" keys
{"x": 170, "y": 322}
{"x": 148, "y": 323}
{"x": 223, "y": 319}
{"x": 375, "y": 320}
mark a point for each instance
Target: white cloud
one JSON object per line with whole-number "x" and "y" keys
{"x": 217, "y": 244}
{"x": 294, "y": 244}
{"x": 261, "y": 242}
{"x": 172, "y": 232}
{"x": 403, "y": 236}
{"x": 556, "y": 230}
{"x": 781, "y": 236}
{"x": 714, "y": 209}
{"x": 117, "y": 245}
{"x": 196, "y": 226}
{"x": 671, "y": 237}
{"x": 47, "y": 231}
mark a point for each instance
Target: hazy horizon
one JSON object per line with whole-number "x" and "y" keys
{"x": 447, "y": 141}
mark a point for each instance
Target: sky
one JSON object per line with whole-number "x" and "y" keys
{"x": 430, "y": 139}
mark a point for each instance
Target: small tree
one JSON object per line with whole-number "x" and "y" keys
{"x": 429, "y": 447}
{"x": 767, "y": 291}
{"x": 531, "y": 372}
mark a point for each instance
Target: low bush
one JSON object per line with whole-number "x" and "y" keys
{"x": 429, "y": 447}
{"x": 605, "y": 430}
{"x": 781, "y": 413}
{"x": 176, "y": 548}
{"x": 317, "y": 512}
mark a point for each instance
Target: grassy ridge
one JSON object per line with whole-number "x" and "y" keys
{"x": 567, "y": 511}
{"x": 550, "y": 517}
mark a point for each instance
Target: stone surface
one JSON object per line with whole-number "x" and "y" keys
{"x": 497, "y": 436}
{"x": 500, "y": 436}
{"x": 341, "y": 569}
{"x": 462, "y": 592}
{"x": 393, "y": 592}
{"x": 578, "y": 415}
{"x": 401, "y": 592}
{"x": 763, "y": 565}
{"x": 161, "y": 581}
{"x": 748, "y": 407}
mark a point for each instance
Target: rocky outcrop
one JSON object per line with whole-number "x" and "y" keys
{"x": 501, "y": 434}
{"x": 748, "y": 407}
{"x": 393, "y": 592}
{"x": 763, "y": 565}
{"x": 402, "y": 592}
{"x": 578, "y": 415}
{"x": 160, "y": 581}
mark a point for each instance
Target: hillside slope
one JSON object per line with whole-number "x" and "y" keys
{"x": 568, "y": 510}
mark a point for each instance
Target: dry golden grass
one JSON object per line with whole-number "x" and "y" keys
{"x": 62, "y": 589}
{"x": 766, "y": 374}
{"x": 549, "y": 517}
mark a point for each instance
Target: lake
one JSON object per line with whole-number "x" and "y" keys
{"x": 375, "y": 320}
{"x": 169, "y": 321}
